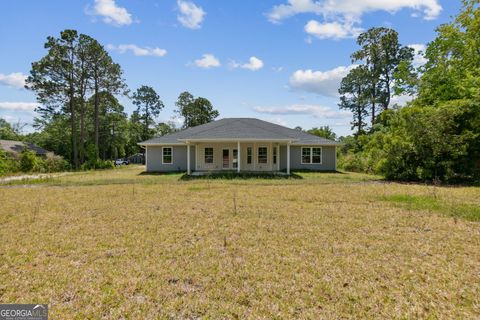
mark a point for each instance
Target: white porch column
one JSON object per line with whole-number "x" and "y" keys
{"x": 288, "y": 157}
{"x": 146, "y": 158}
{"x": 253, "y": 155}
{"x": 270, "y": 156}
{"x": 278, "y": 156}
{"x": 239, "y": 157}
{"x": 188, "y": 158}
{"x": 196, "y": 156}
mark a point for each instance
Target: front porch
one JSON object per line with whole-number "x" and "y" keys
{"x": 236, "y": 156}
{"x": 226, "y": 172}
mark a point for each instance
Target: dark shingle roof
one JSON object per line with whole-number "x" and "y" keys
{"x": 240, "y": 129}
{"x": 16, "y": 147}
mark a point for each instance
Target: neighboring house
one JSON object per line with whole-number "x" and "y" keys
{"x": 239, "y": 144}
{"x": 137, "y": 158}
{"x": 14, "y": 148}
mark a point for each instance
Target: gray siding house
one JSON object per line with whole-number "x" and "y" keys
{"x": 242, "y": 145}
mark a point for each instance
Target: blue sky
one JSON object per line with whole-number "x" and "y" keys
{"x": 278, "y": 60}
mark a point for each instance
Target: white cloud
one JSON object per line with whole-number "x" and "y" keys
{"x": 401, "y": 100}
{"x": 16, "y": 79}
{"x": 325, "y": 83}
{"x": 293, "y": 7}
{"x": 419, "y": 58}
{"x": 341, "y": 18}
{"x": 253, "y": 64}
{"x": 111, "y": 13}
{"x": 191, "y": 16}
{"x": 138, "y": 51}
{"x": 352, "y": 9}
{"x": 19, "y": 106}
{"x": 207, "y": 61}
{"x": 317, "y": 111}
{"x": 332, "y": 30}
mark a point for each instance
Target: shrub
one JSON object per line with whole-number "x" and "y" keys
{"x": 7, "y": 164}
{"x": 105, "y": 164}
{"x": 54, "y": 163}
{"x": 98, "y": 164}
{"x": 28, "y": 161}
{"x": 352, "y": 162}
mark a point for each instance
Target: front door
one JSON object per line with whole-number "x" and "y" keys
{"x": 226, "y": 158}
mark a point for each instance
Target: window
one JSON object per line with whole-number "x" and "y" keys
{"x": 274, "y": 155}
{"x": 262, "y": 155}
{"x": 167, "y": 155}
{"x": 249, "y": 155}
{"x": 306, "y": 153}
{"x": 316, "y": 155}
{"x": 208, "y": 155}
{"x": 311, "y": 155}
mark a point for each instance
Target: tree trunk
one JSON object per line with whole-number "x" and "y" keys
{"x": 74, "y": 130}
{"x": 374, "y": 98}
{"x": 82, "y": 131}
{"x": 82, "y": 121}
{"x": 387, "y": 85}
{"x": 97, "y": 116}
{"x": 73, "y": 121}
{"x": 359, "y": 119}
{"x": 147, "y": 120}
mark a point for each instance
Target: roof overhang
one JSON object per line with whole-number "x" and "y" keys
{"x": 336, "y": 144}
{"x": 237, "y": 140}
{"x": 161, "y": 144}
{"x": 183, "y": 142}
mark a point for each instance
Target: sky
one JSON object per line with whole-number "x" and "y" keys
{"x": 276, "y": 60}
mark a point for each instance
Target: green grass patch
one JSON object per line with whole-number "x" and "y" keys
{"x": 430, "y": 203}
{"x": 120, "y": 243}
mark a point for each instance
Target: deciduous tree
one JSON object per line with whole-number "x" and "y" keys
{"x": 195, "y": 111}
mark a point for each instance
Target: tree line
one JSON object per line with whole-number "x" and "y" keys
{"x": 436, "y": 136}
{"x": 77, "y": 84}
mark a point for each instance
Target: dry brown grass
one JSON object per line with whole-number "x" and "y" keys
{"x": 155, "y": 247}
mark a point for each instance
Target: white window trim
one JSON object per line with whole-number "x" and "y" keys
{"x": 213, "y": 156}
{"x": 230, "y": 157}
{"x": 311, "y": 155}
{"x": 252, "y": 160}
{"x": 171, "y": 148}
{"x": 258, "y": 154}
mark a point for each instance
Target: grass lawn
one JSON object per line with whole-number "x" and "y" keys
{"x": 120, "y": 245}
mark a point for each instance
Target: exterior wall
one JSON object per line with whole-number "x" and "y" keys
{"x": 328, "y": 159}
{"x": 244, "y": 166}
{"x": 197, "y": 156}
{"x": 154, "y": 159}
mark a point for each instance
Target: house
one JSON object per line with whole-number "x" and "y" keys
{"x": 137, "y": 158}
{"x": 239, "y": 144}
{"x": 14, "y": 148}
